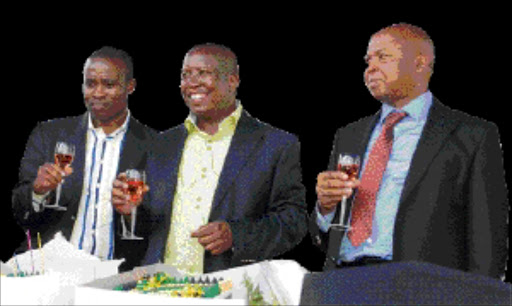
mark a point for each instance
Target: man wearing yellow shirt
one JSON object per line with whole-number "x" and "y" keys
{"x": 225, "y": 188}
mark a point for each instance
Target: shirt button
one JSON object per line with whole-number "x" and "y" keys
{"x": 204, "y": 169}
{"x": 209, "y": 148}
{"x": 199, "y": 199}
{"x": 369, "y": 240}
{"x": 203, "y": 176}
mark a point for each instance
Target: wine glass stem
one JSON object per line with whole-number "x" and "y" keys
{"x": 134, "y": 217}
{"x": 57, "y": 196}
{"x": 343, "y": 208}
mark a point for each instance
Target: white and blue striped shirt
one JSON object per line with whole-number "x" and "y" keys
{"x": 94, "y": 227}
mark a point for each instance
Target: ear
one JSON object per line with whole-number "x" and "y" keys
{"x": 234, "y": 81}
{"x": 131, "y": 86}
{"x": 421, "y": 62}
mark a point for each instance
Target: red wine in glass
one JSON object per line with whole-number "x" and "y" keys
{"x": 135, "y": 180}
{"x": 135, "y": 189}
{"x": 62, "y": 160}
{"x": 351, "y": 170}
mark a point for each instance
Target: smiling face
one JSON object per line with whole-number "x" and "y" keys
{"x": 391, "y": 73}
{"x": 106, "y": 89}
{"x": 207, "y": 89}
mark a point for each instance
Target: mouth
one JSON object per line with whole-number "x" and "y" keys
{"x": 97, "y": 104}
{"x": 197, "y": 97}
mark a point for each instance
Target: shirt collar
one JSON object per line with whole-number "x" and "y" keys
{"x": 99, "y": 130}
{"x": 417, "y": 109}
{"x": 226, "y": 126}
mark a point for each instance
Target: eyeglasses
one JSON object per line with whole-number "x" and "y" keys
{"x": 199, "y": 74}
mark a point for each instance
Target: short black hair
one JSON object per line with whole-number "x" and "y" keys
{"x": 228, "y": 62}
{"x": 108, "y": 52}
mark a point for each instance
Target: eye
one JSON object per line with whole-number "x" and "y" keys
{"x": 383, "y": 57}
{"x": 110, "y": 84}
{"x": 90, "y": 83}
{"x": 185, "y": 75}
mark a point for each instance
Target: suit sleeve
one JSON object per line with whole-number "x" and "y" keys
{"x": 284, "y": 223}
{"x": 320, "y": 238}
{"x": 488, "y": 209}
{"x": 35, "y": 155}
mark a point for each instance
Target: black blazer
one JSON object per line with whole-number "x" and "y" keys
{"x": 39, "y": 150}
{"x": 453, "y": 208}
{"x": 259, "y": 193}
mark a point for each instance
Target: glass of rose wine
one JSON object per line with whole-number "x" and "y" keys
{"x": 63, "y": 155}
{"x": 349, "y": 164}
{"x": 136, "y": 180}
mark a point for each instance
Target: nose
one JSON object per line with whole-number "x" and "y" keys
{"x": 98, "y": 91}
{"x": 371, "y": 67}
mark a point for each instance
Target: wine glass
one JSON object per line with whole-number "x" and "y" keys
{"x": 349, "y": 164}
{"x": 136, "y": 180}
{"x": 63, "y": 154}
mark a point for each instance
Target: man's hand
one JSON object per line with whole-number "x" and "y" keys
{"x": 121, "y": 198}
{"x": 216, "y": 237}
{"x": 49, "y": 176}
{"x": 331, "y": 186}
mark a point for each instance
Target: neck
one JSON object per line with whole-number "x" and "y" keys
{"x": 210, "y": 124}
{"x": 400, "y": 103}
{"x": 112, "y": 124}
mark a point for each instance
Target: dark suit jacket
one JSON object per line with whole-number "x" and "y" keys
{"x": 259, "y": 193}
{"x": 453, "y": 208}
{"x": 40, "y": 150}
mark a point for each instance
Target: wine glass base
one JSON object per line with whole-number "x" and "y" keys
{"x": 56, "y": 207}
{"x": 340, "y": 227}
{"x": 131, "y": 238}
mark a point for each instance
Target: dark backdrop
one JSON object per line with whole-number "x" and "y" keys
{"x": 302, "y": 76}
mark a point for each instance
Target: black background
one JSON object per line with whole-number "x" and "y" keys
{"x": 302, "y": 74}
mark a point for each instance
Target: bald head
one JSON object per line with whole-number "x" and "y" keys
{"x": 414, "y": 39}
{"x": 228, "y": 64}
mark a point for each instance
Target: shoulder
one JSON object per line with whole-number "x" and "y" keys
{"x": 274, "y": 133}
{"x": 273, "y": 136}
{"x": 359, "y": 125}
{"x": 469, "y": 126}
{"x": 59, "y": 125}
{"x": 142, "y": 130}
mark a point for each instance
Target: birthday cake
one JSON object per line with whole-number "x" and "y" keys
{"x": 163, "y": 284}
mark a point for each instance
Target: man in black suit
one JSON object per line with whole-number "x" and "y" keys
{"x": 107, "y": 140}
{"x": 431, "y": 186}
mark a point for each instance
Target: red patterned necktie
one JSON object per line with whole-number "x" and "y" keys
{"x": 364, "y": 202}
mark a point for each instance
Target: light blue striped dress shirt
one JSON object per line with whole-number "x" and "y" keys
{"x": 406, "y": 136}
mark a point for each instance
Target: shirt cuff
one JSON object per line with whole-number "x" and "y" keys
{"x": 323, "y": 222}
{"x": 38, "y": 201}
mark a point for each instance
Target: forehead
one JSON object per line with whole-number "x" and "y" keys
{"x": 104, "y": 67}
{"x": 384, "y": 42}
{"x": 200, "y": 60}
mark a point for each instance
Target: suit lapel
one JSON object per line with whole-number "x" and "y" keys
{"x": 435, "y": 133}
{"x": 169, "y": 168}
{"x": 131, "y": 146}
{"x": 78, "y": 138}
{"x": 242, "y": 144}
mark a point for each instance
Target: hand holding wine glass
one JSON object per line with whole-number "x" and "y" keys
{"x": 333, "y": 186}
{"x": 51, "y": 176}
{"x": 127, "y": 194}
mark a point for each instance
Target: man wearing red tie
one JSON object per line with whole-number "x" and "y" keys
{"x": 431, "y": 186}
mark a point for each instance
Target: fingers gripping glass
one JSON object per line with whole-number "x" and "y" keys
{"x": 136, "y": 180}
{"x": 64, "y": 155}
{"x": 349, "y": 164}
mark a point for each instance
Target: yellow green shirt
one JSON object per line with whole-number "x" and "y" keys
{"x": 199, "y": 171}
